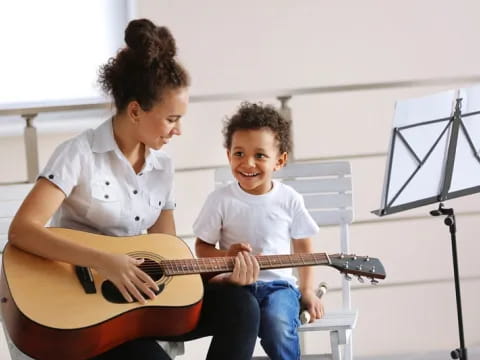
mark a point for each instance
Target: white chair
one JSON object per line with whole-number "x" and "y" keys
{"x": 327, "y": 191}
{"x": 11, "y": 197}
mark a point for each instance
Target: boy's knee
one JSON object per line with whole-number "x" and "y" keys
{"x": 278, "y": 326}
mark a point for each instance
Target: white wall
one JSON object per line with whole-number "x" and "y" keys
{"x": 232, "y": 46}
{"x": 276, "y": 44}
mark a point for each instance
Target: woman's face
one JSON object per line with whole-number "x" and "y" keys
{"x": 156, "y": 127}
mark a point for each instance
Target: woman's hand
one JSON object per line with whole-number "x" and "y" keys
{"x": 245, "y": 271}
{"x": 123, "y": 271}
{"x": 312, "y": 303}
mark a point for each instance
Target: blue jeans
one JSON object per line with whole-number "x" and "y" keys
{"x": 279, "y": 308}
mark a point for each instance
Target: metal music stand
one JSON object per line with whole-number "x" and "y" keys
{"x": 433, "y": 157}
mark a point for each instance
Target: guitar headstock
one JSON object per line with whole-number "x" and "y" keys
{"x": 358, "y": 265}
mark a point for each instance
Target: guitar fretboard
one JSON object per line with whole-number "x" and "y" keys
{"x": 226, "y": 263}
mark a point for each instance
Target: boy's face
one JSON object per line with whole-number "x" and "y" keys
{"x": 253, "y": 157}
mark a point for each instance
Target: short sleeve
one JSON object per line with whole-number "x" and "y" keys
{"x": 303, "y": 225}
{"x": 64, "y": 167}
{"x": 170, "y": 203}
{"x": 208, "y": 225}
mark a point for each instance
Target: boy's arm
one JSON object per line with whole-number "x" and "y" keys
{"x": 204, "y": 249}
{"x": 310, "y": 300}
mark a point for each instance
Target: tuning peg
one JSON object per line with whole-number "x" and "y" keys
{"x": 360, "y": 279}
{"x": 374, "y": 281}
{"x": 367, "y": 258}
{"x": 348, "y": 277}
{"x": 354, "y": 257}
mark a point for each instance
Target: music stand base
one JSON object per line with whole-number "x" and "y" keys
{"x": 459, "y": 354}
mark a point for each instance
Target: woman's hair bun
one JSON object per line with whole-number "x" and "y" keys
{"x": 150, "y": 42}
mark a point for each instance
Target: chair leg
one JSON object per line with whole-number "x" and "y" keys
{"x": 335, "y": 345}
{"x": 348, "y": 353}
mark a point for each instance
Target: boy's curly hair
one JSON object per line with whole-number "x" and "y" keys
{"x": 251, "y": 116}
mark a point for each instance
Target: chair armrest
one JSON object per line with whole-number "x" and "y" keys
{"x": 337, "y": 320}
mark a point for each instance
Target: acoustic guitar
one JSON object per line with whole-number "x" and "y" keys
{"x": 56, "y": 311}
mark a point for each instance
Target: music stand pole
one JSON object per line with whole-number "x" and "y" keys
{"x": 461, "y": 352}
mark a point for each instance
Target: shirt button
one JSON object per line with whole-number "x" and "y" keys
{"x": 51, "y": 176}
{"x": 106, "y": 196}
{"x": 107, "y": 183}
{"x": 137, "y": 218}
{"x": 140, "y": 174}
{"x": 159, "y": 203}
{"x": 135, "y": 192}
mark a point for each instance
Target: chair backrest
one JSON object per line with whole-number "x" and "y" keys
{"x": 327, "y": 190}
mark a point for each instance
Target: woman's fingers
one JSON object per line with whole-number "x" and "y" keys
{"x": 141, "y": 286}
{"x": 132, "y": 288}
{"x": 126, "y": 295}
{"x": 138, "y": 283}
{"x": 145, "y": 278}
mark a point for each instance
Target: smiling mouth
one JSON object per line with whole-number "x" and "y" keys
{"x": 252, "y": 174}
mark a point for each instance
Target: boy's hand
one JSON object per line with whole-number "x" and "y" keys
{"x": 312, "y": 303}
{"x": 239, "y": 247}
{"x": 245, "y": 271}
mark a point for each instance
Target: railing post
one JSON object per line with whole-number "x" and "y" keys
{"x": 286, "y": 112}
{"x": 31, "y": 147}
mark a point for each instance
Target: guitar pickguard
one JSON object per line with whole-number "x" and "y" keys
{"x": 112, "y": 294}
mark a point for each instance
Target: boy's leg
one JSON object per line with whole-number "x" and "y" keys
{"x": 279, "y": 322}
{"x": 231, "y": 315}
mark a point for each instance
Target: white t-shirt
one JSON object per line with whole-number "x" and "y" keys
{"x": 268, "y": 222}
{"x": 103, "y": 193}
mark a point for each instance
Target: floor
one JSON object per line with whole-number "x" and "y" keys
{"x": 473, "y": 354}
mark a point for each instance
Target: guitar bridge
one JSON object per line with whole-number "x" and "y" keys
{"x": 85, "y": 277}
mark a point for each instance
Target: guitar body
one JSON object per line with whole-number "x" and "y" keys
{"x": 49, "y": 315}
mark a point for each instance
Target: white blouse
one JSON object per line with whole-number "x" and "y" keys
{"x": 103, "y": 193}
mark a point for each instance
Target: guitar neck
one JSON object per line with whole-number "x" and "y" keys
{"x": 226, "y": 263}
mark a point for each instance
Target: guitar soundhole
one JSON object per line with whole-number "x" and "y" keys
{"x": 150, "y": 267}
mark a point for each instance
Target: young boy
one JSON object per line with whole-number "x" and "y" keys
{"x": 263, "y": 216}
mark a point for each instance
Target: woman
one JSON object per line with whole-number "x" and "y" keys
{"x": 113, "y": 180}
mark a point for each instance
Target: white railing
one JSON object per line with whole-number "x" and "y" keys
{"x": 28, "y": 111}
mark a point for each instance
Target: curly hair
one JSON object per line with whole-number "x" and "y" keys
{"x": 251, "y": 116}
{"x": 143, "y": 69}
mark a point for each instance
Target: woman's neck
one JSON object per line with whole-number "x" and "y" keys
{"x": 131, "y": 148}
